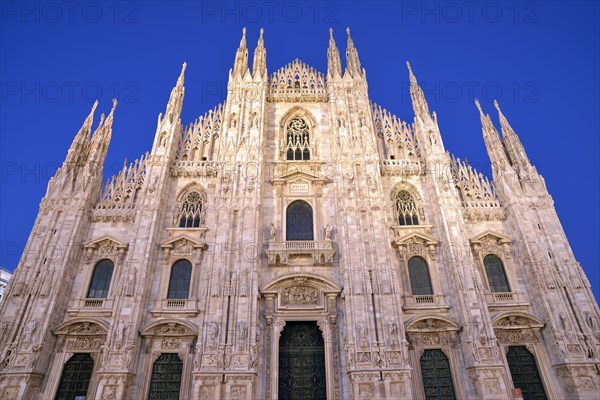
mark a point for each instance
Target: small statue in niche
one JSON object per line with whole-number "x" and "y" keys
{"x": 272, "y": 231}
{"x": 327, "y": 230}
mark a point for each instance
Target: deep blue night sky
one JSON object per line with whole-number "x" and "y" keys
{"x": 540, "y": 59}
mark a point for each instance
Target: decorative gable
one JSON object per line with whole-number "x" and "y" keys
{"x": 182, "y": 246}
{"x": 416, "y": 243}
{"x": 105, "y": 247}
{"x": 490, "y": 242}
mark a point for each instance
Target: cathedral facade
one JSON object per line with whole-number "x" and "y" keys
{"x": 298, "y": 241}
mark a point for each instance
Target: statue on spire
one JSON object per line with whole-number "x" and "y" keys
{"x": 259, "y": 65}
{"x": 420, "y": 106}
{"x": 240, "y": 65}
{"x": 176, "y": 99}
{"x": 352, "y": 60}
{"x": 334, "y": 65}
{"x": 515, "y": 149}
{"x": 494, "y": 145}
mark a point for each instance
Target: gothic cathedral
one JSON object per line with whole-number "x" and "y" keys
{"x": 298, "y": 241}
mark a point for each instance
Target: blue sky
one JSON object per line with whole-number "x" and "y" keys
{"x": 540, "y": 59}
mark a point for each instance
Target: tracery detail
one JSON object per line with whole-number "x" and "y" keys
{"x": 190, "y": 213}
{"x": 297, "y": 140}
{"x": 406, "y": 209}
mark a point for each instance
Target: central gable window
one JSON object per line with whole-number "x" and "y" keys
{"x": 190, "y": 211}
{"x": 297, "y": 140}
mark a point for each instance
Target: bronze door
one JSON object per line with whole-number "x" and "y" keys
{"x": 437, "y": 378}
{"x": 301, "y": 362}
{"x": 525, "y": 374}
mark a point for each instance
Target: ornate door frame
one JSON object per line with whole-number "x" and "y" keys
{"x": 301, "y": 297}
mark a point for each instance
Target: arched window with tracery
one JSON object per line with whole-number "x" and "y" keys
{"x": 418, "y": 272}
{"x": 299, "y": 221}
{"x": 179, "y": 280}
{"x": 101, "y": 277}
{"x": 190, "y": 212}
{"x": 297, "y": 140}
{"x": 406, "y": 209}
{"x": 496, "y": 276}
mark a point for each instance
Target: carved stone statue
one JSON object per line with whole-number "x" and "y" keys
{"x": 271, "y": 231}
{"x": 327, "y": 230}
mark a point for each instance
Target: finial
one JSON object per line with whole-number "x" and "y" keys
{"x": 409, "y": 68}
{"x": 331, "y": 33}
{"x": 243, "y": 39}
{"x": 95, "y": 105}
{"x": 348, "y": 31}
{"x": 497, "y": 105}
{"x": 478, "y": 106}
{"x": 262, "y": 30}
{"x": 183, "y": 66}
{"x": 115, "y": 102}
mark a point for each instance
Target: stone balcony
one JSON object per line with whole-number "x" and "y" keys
{"x": 183, "y": 307}
{"x": 98, "y": 307}
{"x": 402, "y": 167}
{"x": 424, "y": 302}
{"x": 300, "y": 251}
{"x": 500, "y": 300}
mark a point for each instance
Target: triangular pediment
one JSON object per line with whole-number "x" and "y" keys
{"x": 416, "y": 238}
{"x": 490, "y": 236}
{"x": 183, "y": 242}
{"x": 298, "y": 175}
{"x": 105, "y": 241}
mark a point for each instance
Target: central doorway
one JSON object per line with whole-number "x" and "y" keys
{"x": 301, "y": 362}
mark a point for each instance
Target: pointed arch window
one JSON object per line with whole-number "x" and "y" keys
{"x": 190, "y": 212}
{"x": 496, "y": 276}
{"x": 418, "y": 272}
{"x": 166, "y": 377}
{"x": 437, "y": 377}
{"x": 101, "y": 277}
{"x": 299, "y": 221}
{"x": 179, "y": 281}
{"x": 406, "y": 209}
{"x": 297, "y": 140}
{"x": 75, "y": 377}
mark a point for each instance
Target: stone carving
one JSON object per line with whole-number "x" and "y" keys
{"x": 242, "y": 334}
{"x": 327, "y": 231}
{"x": 299, "y": 295}
{"x": 362, "y": 335}
{"x": 109, "y": 393}
{"x": 170, "y": 329}
{"x": 10, "y": 393}
{"x": 238, "y": 392}
{"x": 212, "y": 332}
{"x": 393, "y": 334}
{"x": 272, "y": 231}
{"x": 366, "y": 390}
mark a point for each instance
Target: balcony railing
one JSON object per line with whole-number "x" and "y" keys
{"x": 505, "y": 299}
{"x": 176, "y": 306}
{"x": 321, "y": 251}
{"x": 95, "y": 306}
{"x": 424, "y": 301}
